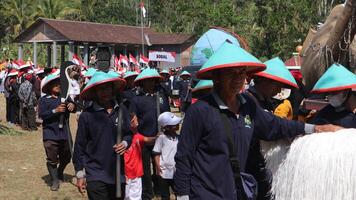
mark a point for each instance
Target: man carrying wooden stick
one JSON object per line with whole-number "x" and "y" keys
{"x": 96, "y": 147}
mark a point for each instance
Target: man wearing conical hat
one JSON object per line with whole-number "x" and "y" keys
{"x": 130, "y": 89}
{"x": 150, "y": 101}
{"x": 340, "y": 86}
{"x": 96, "y": 148}
{"x": 185, "y": 92}
{"x": 217, "y": 131}
{"x": 55, "y": 139}
{"x": 166, "y": 82}
{"x": 267, "y": 84}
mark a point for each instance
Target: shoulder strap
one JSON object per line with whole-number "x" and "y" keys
{"x": 158, "y": 110}
{"x": 234, "y": 161}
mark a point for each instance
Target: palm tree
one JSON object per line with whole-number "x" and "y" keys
{"x": 20, "y": 14}
{"x": 58, "y": 9}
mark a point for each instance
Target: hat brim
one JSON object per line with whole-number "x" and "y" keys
{"x": 175, "y": 121}
{"x": 287, "y": 83}
{"x": 251, "y": 68}
{"x": 334, "y": 89}
{"x": 159, "y": 78}
{"x": 118, "y": 86}
{"x": 130, "y": 76}
{"x": 45, "y": 88}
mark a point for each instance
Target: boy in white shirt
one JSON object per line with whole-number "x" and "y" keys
{"x": 164, "y": 150}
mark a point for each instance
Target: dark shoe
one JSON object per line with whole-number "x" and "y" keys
{"x": 53, "y": 172}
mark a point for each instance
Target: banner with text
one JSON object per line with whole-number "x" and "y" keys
{"x": 163, "y": 56}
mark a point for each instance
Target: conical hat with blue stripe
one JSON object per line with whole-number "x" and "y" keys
{"x": 203, "y": 84}
{"x": 230, "y": 56}
{"x": 114, "y": 74}
{"x": 98, "y": 78}
{"x": 336, "y": 78}
{"x": 130, "y": 74}
{"x": 48, "y": 79}
{"x": 147, "y": 73}
{"x": 90, "y": 72}
{"x": 185, "y": 73}
{"x": 164, "y": 72}
{"x": 277, "y": 71}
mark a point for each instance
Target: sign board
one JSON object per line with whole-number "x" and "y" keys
{"x": 163, "y": 56}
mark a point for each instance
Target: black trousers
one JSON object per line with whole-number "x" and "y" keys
{"x": 147, "y": 189}
{"x": 57, "y": 152}
{"x": 8, "y": 110}
{"x": 98, "y": 190}
{"x": 28, "y": 119}
{"x": 164, "y": 187}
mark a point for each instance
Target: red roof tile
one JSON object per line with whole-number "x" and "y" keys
{"x": 79, "y": 31}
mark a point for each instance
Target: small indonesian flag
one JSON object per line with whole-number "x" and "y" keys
{"x": 144, "y": 60}
{"x": 143, "y": 9}
{"x": 124, "y": 60}
{"x": 76, "y": 60}
{"x": 116, "y": 62}
{"x": 133, "y": 60}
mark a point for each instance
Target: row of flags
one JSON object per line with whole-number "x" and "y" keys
{"x": 121, "y": 63}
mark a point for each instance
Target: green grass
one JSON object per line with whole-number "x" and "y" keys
{"x": 5, "y": 130}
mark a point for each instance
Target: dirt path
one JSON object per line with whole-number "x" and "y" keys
{"x": 23, "y": 173}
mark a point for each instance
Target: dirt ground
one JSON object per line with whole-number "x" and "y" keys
{"x": 23, "y": 172}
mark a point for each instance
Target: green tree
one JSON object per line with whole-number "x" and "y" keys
{"x": 58, "y": 9}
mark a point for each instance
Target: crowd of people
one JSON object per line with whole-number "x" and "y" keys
{"x": 129, "y": 142}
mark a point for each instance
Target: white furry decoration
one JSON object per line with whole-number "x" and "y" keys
{"x": 274, "y": 152}
{"x": 319, "y": 167}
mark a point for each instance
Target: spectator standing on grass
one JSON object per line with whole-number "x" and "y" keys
{"x": 28, "y": 100}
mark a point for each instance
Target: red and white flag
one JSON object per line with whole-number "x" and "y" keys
{"x": 116, "y": 62}
{"x": 124, "y": 60}
{"x": 118, "y": 65}
{"x": 133, "y": 60}
{"x": 76, "y": 60}
{"x": 143, "y": 9}
{"x": 144, "y": 60}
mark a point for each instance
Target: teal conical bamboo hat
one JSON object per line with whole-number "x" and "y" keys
{"x": 277, "y": 71}
{"x": 164, "y": 72}
{"x": 185, "y": 73}
{"x": 130, "y": 74}
{"x": 98, "y": 78}
{"x": 48, "y": 79}
{"x": 203, "y": 84}
{"x": 230, "y": 56}
{"x": 336, "y": 78}
{"x": 90, "y": 72}
{"x": 147, "y": 73}
{"x": 114, "y": 74}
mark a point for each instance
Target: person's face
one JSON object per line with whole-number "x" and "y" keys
{"x": 230, "y": 81}
{"x": 184, "y": 77}
{"x": 273, "y": 88}
{"x": 56, "y": 87}
{"x": 148, "y": 84}
{"x": 171, "y": 129}
{"x": 130, "y": 81}
{"x": 104, "y": 92}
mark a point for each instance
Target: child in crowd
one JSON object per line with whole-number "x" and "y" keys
{"x": 133, "y": 162}
{"x": 164, "y": 150}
